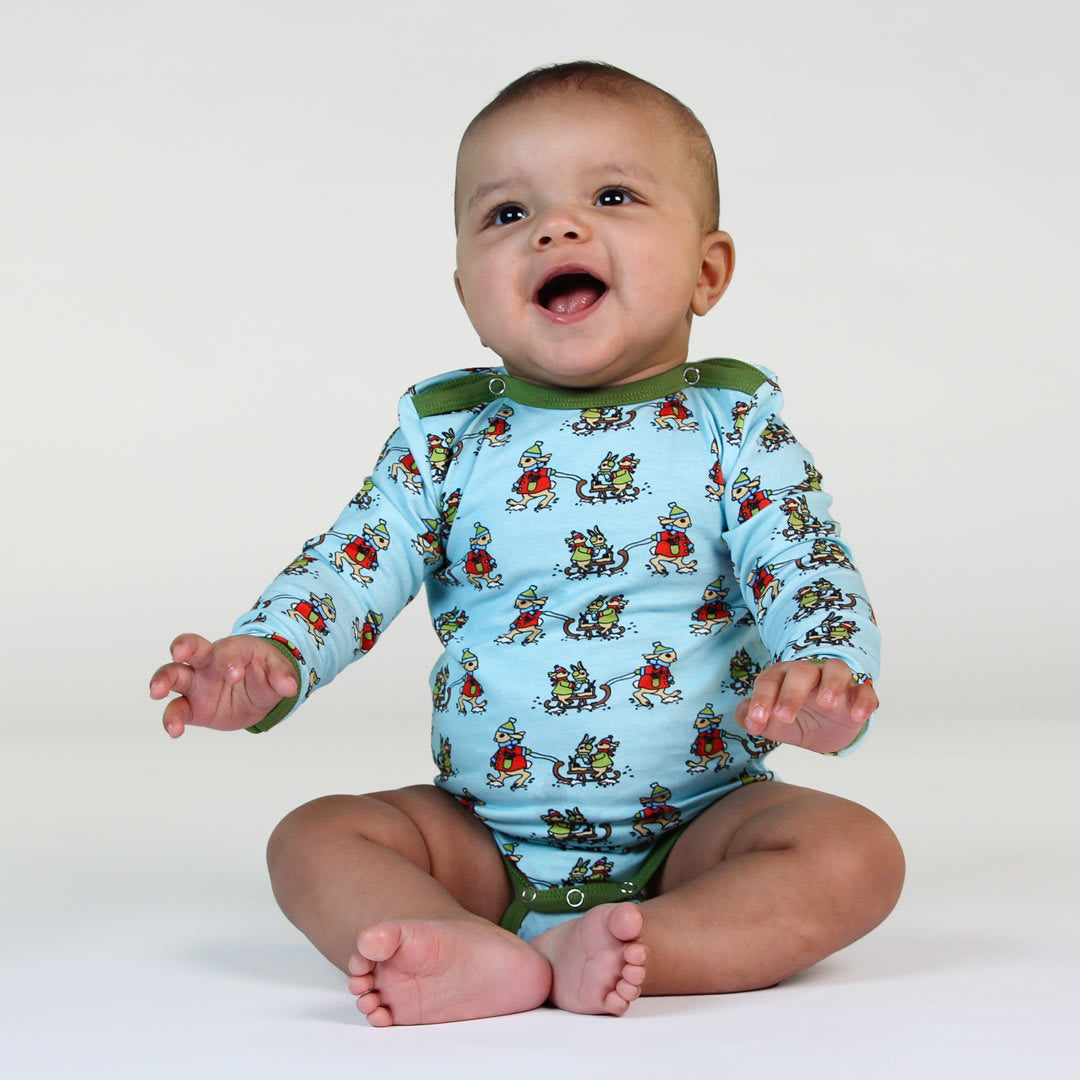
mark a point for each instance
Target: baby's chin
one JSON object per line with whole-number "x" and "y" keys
{"x": 585, "y": 372}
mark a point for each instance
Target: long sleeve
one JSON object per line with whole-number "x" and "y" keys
{"x": 329, "y": 606}
{"x": 797, "y": 574}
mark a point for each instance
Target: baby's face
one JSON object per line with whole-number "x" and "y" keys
{"x": 582, "y": 239}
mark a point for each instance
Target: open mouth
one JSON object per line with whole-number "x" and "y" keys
{"x": 570, "y": 293}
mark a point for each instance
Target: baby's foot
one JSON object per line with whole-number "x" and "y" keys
{"x": 597, "y": 961}
{"x": 433, "y": 972}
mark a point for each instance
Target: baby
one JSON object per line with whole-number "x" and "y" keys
{"x": 631, "y": 566}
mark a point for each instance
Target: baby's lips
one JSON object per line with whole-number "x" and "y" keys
{"x": 565, "y": 276}
{"x": 569, "y": 291}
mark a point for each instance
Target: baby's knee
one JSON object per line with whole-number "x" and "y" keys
{"x": 295, "y": 831}
{"x": 866, "y": 867}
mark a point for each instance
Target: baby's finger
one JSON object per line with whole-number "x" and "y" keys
{"x": 238, "y": 655}
{"x": 176, "y": 717}
{"x": 864, "y": 702}
{"x": 242, "y": 657}
{"x": 169, "y": 678}
{"x": 835, "y": 682}
{"x": 160, "y": 683}
{"x": 758, "y": 709}
{"x": 191, "y": 649}
{"x": 799, "y": 679}
{"x": 282, "y": 679}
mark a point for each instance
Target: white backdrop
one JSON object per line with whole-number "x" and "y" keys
{"x": 226, "y": 247}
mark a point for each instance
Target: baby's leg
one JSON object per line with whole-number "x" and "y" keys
{"x": 764, "y": 884}
{"x": 403, "y": 891}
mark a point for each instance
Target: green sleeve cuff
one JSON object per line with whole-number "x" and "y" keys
{"x": 285, "y": 705}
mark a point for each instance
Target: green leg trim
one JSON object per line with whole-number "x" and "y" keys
{"x": 576, "y": 899}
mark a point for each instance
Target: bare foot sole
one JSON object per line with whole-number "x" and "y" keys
{"x": 434, "y": 972}
{"x": 597, "y": 962}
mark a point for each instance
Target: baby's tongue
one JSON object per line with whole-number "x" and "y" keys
{"x": 575, "y": 294}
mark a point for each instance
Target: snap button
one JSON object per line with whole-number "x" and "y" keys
{"x": 497, "y": 386}
{"x": 528, "y": 894}
{"x": 627, "y": 888}
{"x": 575, "y": 898}
{"x": 691, "y": 376}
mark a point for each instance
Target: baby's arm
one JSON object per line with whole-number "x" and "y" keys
{"x": 227, "y": 684}
{"x": 799, "y": 576}
{"x": 814, "y": 705}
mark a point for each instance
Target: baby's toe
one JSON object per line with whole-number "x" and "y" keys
{"x": 380, "y": 1017}
{"x": 626, "y": 922}
{"x": 369, "y": 1002}
{"x": 379, "y": 942}
{"x": 615, "y": 1004}
{"x": 359, "y": 965}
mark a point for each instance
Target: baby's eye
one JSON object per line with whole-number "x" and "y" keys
{"x": 614, "y": 197}
{"x": 507, "y": 215}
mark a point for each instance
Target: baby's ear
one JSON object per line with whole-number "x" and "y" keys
{"x": 717, "y": 266}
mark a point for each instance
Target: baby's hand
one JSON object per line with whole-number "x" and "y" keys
{"x": 226, "y": 685}
{"x": 808, "y": 704}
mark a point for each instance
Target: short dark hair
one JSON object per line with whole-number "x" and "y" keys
{"x": 596, "y": 77}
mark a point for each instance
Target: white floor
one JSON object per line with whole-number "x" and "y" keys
{"x": 141, "y": 940}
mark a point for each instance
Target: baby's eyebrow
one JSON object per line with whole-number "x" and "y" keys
{"x": 629, "y": 169}
{"x": 484, "y": 190}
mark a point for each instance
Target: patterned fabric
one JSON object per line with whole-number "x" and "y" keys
{"x": 606, "y": 581}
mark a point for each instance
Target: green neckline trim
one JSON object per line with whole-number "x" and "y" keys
{"x": 480, "y": 388}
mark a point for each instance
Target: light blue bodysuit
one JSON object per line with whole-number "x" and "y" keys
{"x": 607, "y": 571}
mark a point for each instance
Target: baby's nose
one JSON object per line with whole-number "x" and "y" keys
{"x": 558, "y": 226}
{"x": 548, "y": 237}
